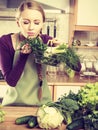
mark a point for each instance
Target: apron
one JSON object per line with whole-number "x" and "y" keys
{"x": 26, "y": 90}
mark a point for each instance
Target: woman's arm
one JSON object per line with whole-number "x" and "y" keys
{"x": 12, "y": 73}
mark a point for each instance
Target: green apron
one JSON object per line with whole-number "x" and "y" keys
{"x": 26, "y": 90}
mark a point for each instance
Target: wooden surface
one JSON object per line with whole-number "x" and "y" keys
{"x": 65, "y": 80}
{"x": 14, "y": 112}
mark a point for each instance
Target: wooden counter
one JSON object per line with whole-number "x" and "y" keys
{"x": 65, "y": 80}
{"x": 14, "y": 112}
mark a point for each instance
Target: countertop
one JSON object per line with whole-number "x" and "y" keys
{"x": 77, "y": 80}
{"x": 63, "y": 79}
{"x": 13, "y": 112}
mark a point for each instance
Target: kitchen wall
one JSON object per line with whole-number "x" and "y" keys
{"x": 62, "y": 4}
{"x": 8, "y": 10}
{"x": 7, "y": 26}
{"x": 62, "y": 25}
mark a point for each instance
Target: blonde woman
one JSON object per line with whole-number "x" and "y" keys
{"x": 18, "y": 66}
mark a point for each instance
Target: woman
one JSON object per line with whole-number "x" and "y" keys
{"x": 18, "y": 66}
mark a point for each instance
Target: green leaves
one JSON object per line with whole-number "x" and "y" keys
{"x": 88, "y": 95}
{"x": 37, "y": 46}
{"x": 62, "y": 54}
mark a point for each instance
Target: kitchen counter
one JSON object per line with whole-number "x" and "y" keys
{"x": 14, "y": 112}
{"x": 65, "y": 80}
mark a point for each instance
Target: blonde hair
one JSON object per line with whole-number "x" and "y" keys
{"x": 30, "y": 5}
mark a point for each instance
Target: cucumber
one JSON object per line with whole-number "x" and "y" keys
{"x": 76, "y": 124}
{"x": 23, "y": 119}
{"x": 32, "y": 122}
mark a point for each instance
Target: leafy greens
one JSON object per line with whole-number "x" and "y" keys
{"x": 62, "y": 54}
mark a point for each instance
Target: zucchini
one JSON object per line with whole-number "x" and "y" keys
{"x": 23, "y": 119}
{"x": 76, "y": 124}
{"x": 32, "y": 122}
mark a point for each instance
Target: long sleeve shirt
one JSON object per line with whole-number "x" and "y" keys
{"x": 12, "y": 73}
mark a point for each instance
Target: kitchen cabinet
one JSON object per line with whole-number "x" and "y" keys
{"x": 85, "y": 15}
{"x": 61, "y": 90}
{"x": 57, "y": 90}
{"x": 87, "y": 12}
{"x": 3, "y": 89}
{"x": 83, "y": 18}
{"x": 51, "y": 87}
{"x": 61, "y": 84}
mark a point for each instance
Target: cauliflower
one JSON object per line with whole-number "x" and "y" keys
{"x": 49, "y": 117}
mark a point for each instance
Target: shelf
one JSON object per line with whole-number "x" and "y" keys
{"x": 85, "y": 28}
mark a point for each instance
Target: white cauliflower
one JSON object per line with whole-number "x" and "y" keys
{"x": 49, "y": 117}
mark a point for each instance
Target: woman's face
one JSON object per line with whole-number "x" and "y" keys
{"x": 30, "y": 23}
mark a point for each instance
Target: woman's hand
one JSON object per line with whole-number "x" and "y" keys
{"x": 26, "y": 49}
{"x": 54, "y": 42}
